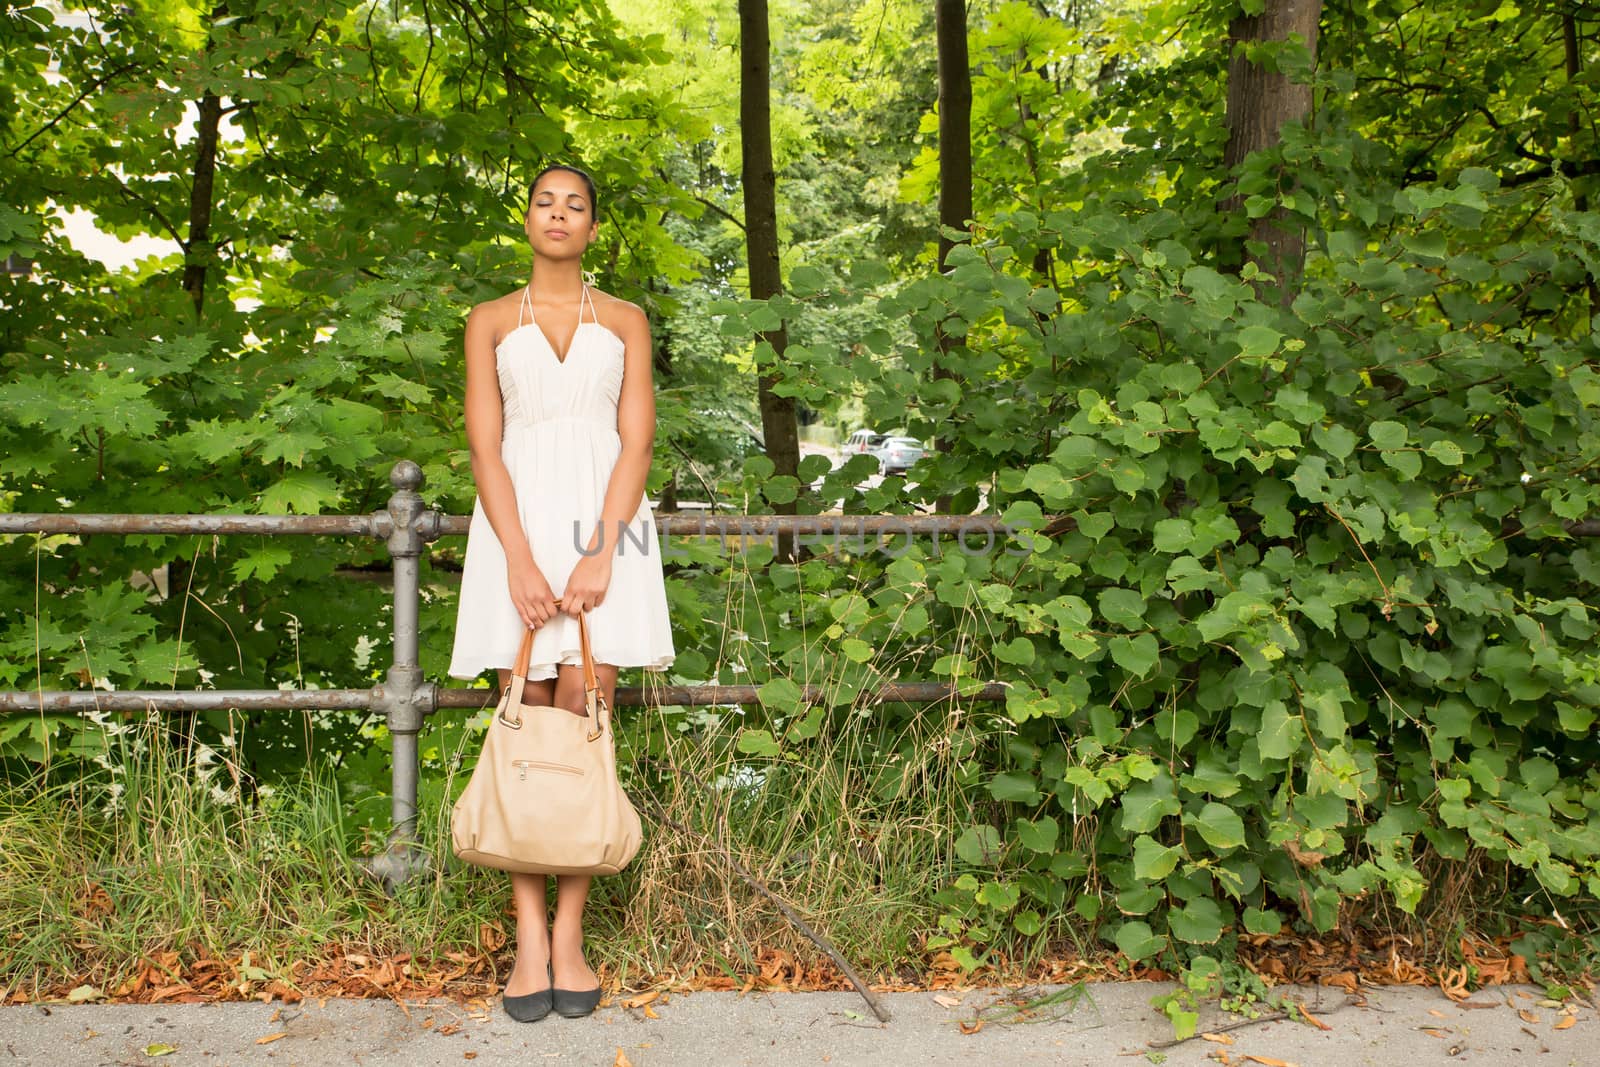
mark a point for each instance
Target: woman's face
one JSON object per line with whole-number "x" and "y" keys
{"x": 560, "y": 222}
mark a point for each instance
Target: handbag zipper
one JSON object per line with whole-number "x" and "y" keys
{"x": 522, "y": 766}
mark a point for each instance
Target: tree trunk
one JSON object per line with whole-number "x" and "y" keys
{"x": 780, "y": 432}
{"x": 1574, "y": 65}
{"x": 955, "y": 165}
{"x": 200, "y": 250}
{"x": 1260, "y": 101}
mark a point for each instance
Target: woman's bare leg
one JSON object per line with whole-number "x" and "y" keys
{"x": 572, "y": 971}
{"x": 530, "y": 973}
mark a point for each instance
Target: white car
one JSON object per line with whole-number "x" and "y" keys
{"x": 897, "y": 454}
{"x": 862, "y": 441}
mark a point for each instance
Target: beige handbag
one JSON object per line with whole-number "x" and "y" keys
{"x": 544, "y": 798}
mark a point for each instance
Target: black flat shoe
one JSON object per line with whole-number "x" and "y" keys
{"x": 575, "y": 1005}
{"x": 531, "y": 1007}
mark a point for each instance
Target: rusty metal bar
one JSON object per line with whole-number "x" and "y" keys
{"x": 634, "y": 696}
{"x": 375, "y": 525}
{"x": 436, "y": 525}
{"x": 123, "y": 701}
{"x": 761, "y": 525}
{"x": 126, "y": 700}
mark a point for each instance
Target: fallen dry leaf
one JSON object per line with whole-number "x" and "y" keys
{"x": 621, "y": 1060}
{"x": 446, "y": 1031}
{"x": 650, "y": 1013}
{"x": 270, "y": 1038}
{"x": 642, "y": 999}
{"x": 1434, "y": 1031}
{"x": 946, "y": 1001}
{"x": 1268, "y": 1061}
{"x": 1303, "y": 857}
{"x": 972, "y": 1027}
{"x": 1527, "y": 1016}
{"x": 1436, "y": 1013}
{"x": 1313, "y": 1020}
{"x": 1566, "y": 1021}
{"x": 1221, "y": 1039}
{"x": 469, "y": 1055}
{"x": 160, "y": 1050}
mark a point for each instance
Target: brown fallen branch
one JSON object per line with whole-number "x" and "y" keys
{"x": 755, "y": 883}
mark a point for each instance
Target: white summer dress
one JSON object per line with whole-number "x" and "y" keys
{"x": 560, "y": 443}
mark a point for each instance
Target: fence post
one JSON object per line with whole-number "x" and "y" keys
{"x": 404, "y": 698}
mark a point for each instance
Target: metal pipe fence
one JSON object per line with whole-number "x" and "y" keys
{"x": 407, "y": 526}
{"x": 404, "y": 698}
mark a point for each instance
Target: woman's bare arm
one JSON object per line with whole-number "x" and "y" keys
{"x": 636, "y": 422}
{"x": 495, "y": 489}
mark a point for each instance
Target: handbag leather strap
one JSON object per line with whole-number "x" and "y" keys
{"x": 599, "y": 710}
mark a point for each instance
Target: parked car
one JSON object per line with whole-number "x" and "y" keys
{"x": 897, "y": 454}
{"x": 862, "y": 441}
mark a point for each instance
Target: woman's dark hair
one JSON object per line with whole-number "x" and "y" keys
{"x": 588, "y": 183}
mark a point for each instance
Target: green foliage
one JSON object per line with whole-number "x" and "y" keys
{"x": 1289, "y": 610}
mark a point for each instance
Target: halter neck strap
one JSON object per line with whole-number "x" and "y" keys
{"x": 525, "y": 305}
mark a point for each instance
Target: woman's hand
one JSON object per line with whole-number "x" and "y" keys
{"x": 586, "y": 587}
{"x": 530, "y": 594}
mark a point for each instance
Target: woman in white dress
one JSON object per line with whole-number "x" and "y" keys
{"x": 560, "y": 415}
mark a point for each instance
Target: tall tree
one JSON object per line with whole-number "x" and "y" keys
{"x": 780, "y": 431}
{"x": 1262, "y": 98}
{"x": 955, "y": 159}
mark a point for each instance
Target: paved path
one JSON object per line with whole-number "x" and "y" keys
{"x": 1109, "y": 1024}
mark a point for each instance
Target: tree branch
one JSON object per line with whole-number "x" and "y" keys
{"x": 64, "y": 112}
{"x": 166, "y": 223}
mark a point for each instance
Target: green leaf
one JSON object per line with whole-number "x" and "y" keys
{"x": 1137, "y": 942}
{"x": 1198, "y": 922}
{"x": 1281, "y": 733}
{"x": 780, "y": 694}
{"x": 1173, "y": 536}
{"x": 1146, "y": 804}
{"x": 1122, "y": 607}
{"x": 1019, "y": 651}
{"x": 1338, "y": 441}
{"x": 1136, "y": 655}
{"x": 1153, "y": 861}
{"x": 1039, "y": 835}
{"x": 1388, "y": 435}
{"x": 781, "y": 489}
{"x": 757, "y": 743}
{"x": 1262, "y": 921}
{"x": 262, "y": 563}
{"x": 1447, "y": 452}
{"x": 303, "y": 492}
{"x": 395, "y": 387}
{"x": 1000, "y": 896}
{"x": 850, "y": 610}
{"x": 1220, "y": 827}
{"x": 1028, "y": 923}
{"x": 857, "y": 650}
{"x": 979, "y": 845}
{"x": 1256, "y": 341}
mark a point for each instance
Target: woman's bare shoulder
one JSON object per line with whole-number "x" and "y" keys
{"x": 497, "y": 316}
{"x": 621, "y": 317}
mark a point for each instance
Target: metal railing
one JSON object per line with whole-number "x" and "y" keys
{"x": 404, "y": 698}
